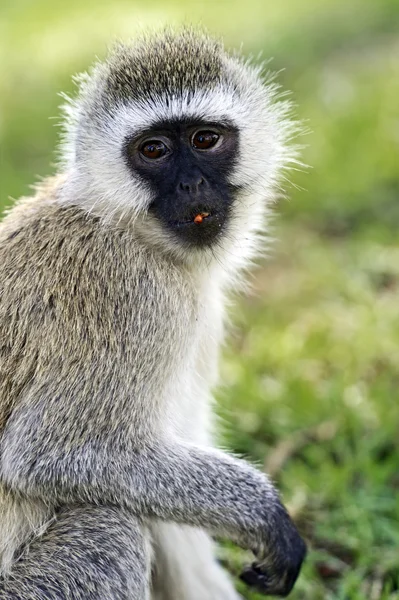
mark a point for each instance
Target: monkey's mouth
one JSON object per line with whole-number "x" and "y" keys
{"x": 198, "y": 219}
{"x": 200, "y": 228}
{"x": 197, "y": 223}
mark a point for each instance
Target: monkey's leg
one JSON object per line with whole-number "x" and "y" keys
{"x": 185, "y": 567}
{"x": 89, "y": 553}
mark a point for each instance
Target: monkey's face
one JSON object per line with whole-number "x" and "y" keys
{"x": 187, "y": 165}
{"x": 181, "y": 142}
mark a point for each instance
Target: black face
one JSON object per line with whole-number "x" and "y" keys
{"x": 187, "y": 167}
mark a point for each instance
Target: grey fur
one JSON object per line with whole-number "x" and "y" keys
{"x": 72, "y": 561}
{"x": 168, "y": 64}
{"x": 103, "y": 338}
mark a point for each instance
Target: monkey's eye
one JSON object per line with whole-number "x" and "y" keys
{"x": 153, "y": 149}
{"x": 203, "y": 140}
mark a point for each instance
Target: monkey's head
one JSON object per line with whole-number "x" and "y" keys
{"x": 175, "y": 136}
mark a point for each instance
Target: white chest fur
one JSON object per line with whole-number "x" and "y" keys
{"x": 190, "y": 392}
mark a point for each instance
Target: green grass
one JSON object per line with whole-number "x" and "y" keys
{"x": 311, "y": 369}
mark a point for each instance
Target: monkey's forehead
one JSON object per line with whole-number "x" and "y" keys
{"x": 166, "y": 66}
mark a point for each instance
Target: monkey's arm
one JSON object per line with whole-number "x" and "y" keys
{"x": 170, "y": 481}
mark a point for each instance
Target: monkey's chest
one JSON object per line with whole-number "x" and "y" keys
{"x": 189, "y": 394}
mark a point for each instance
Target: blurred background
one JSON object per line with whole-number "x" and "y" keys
{"x": 311, "y": 370}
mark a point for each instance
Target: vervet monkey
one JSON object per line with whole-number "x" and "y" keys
{"x": 113, "y": 285}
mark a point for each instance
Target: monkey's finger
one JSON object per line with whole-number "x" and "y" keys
{"x": 256, "y": 578}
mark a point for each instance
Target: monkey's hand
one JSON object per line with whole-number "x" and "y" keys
{"x": 280, "y": 559}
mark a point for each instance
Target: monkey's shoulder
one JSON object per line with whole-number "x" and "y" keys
{"x": 36, "y": 226}
{"x": 43, "y": 241}
{"x": 62, "y": 267}
{"x": 76, "y": 294}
